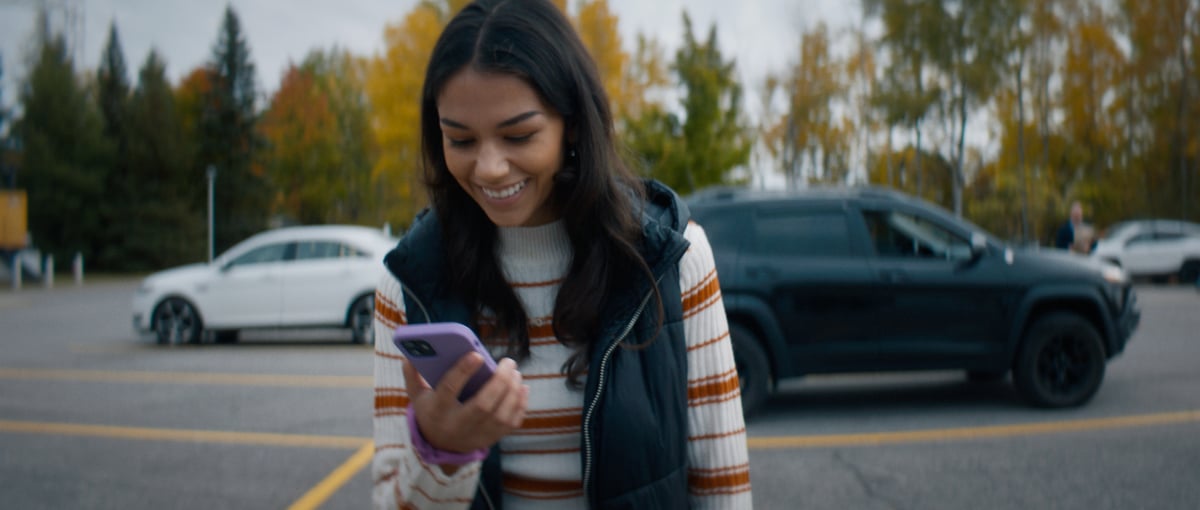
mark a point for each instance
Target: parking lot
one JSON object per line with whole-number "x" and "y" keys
{"x": 93, "y": 417}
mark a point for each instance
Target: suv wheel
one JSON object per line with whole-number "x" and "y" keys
{"x": 1061, "y": 363}
{"x": 754, "y": 373}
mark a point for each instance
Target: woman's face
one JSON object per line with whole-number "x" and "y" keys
{"x": 502, "y": 144}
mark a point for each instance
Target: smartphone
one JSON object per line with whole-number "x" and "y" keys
{"x": 434, "y": 348}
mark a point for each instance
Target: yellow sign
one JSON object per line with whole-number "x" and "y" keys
{"x": 13, "y": 219}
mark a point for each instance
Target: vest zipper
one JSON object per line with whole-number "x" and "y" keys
{"x": 587, "y": 417}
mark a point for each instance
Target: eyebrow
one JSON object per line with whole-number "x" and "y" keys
{"x": 510, "y": 122}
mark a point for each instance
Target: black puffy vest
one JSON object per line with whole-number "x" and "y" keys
{"x": 634, "y": 449}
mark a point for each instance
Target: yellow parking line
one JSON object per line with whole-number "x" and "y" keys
{"x": 322, "y": 491}
{"x": 182, "y": 435}
{"x": 305, "y": 381}
{"x": 966, "y": 433}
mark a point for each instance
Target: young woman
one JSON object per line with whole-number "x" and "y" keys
{"x": 617, "y": 386}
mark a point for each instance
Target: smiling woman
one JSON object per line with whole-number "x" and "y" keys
{"x": 617, "y": 386}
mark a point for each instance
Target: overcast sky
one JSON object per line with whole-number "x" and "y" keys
{"x": 762, "y": 34}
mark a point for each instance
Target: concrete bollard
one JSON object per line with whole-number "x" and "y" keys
{"x": 48, "y": 272}
{"x": 77, "y": 268}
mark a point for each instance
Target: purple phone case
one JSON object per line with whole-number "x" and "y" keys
{"x": 451, "y": 341}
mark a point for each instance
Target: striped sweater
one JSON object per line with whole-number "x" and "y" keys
{"x": 541, "y": 460}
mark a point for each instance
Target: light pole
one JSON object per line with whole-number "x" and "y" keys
{"x": 212, "y": 177}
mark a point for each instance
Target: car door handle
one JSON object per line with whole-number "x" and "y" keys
{"x": 894, "y": 276}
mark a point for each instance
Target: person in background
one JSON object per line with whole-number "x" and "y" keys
{"x": 616, "y": 385}
{"x": 1075, "y": 235}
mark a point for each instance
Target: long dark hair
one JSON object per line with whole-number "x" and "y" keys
{"x": 596, "y": 194}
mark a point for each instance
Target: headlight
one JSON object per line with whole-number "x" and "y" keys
{"x": 144, "y": 288}
{"x": 1114, "y": 274}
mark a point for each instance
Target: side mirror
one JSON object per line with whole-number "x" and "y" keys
{"x": 978, "y": 245}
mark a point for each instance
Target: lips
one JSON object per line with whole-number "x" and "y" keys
{"x": 503, "y": 193}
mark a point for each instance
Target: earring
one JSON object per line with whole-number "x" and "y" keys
{"x": 571, "y": 153}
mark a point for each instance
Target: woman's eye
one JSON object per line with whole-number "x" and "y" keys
{"x": 460, "y": 142}
{"x": 519, "y": 139}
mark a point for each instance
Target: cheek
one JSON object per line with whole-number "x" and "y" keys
{"x": 548, "y": 157}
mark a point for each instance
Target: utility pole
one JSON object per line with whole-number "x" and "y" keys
{"x": 211, "y": 173}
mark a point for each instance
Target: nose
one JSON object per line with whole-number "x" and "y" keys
{"x": 491, "y": 162}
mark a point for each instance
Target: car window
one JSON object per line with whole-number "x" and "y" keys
{"x": 1141, "y": 238}
{"x": 723, "y": 227}
{"x": 308, "y": 250}
{"x": 260, "y": 255}
{"x": 899, "y": 235}
{"x": 801, "y": 233}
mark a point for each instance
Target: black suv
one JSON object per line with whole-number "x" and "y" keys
{"x": 869, "y": 279}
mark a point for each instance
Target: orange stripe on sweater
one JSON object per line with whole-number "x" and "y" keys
{"x": 530, "y": 377}
{"x": 715, "y": 377}
{"x": 733, "y": 480}
{"x": 527, "y": 285}
{"x": 706, "y": 437}
{"x": 535, "y": 488}
{"x": 703, "y": 284}
{"x": 550, "y": 451}
{"x": 441, "y": 500}
{"x": 705, "y": 296}
{"x": 389, "y": 355}
{"x": 708, "y": 342}
{"x": 390, "y": 402}
{"x": 713, "y": 389}
{"x": 388, "y": 312}
{"x": 544, "y": 423}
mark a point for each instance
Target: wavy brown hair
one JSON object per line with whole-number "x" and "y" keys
{"x": 596, "y": 194}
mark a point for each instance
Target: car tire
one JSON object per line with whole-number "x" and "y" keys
{"x": 1190, "y": 272}
{"x": 225, "y": 336}
{"x": 176, "y": 322}
{"x": 754, "y": 371}
{"x": 1061, "y": 363}
{"x": 362, "y": 320}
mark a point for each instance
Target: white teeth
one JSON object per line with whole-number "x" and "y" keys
{"x": 504, "y": 193}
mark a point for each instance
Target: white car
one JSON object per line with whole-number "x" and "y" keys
{"x": 1153, "y": 248}
{"x": 292, "y": 277}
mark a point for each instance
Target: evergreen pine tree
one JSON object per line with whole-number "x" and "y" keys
{"x": 228, "y": 140}
{"x": 65, "y": 156}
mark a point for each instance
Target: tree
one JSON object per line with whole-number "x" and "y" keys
{"x": 906, "y": 97}
{"x": 977, "y": 40}
{"x": 228, "y": 139}
{"x": 711, "y": 140}
{"x": 393, "y": 86}
{"x": 165, "y": 222}
{"x": 812, "y": 144}
{"x": 302, "y": 149}
{"x": 340, "y": 78}
{"x": 597, "y": 27}
{"x": 112, "y": 83}
{"x": 65, "y": 155}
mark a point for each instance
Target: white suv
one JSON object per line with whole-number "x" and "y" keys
{"x": 1153, "y": 248}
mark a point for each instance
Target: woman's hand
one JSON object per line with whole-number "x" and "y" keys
{"x": 493, "y": 412}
